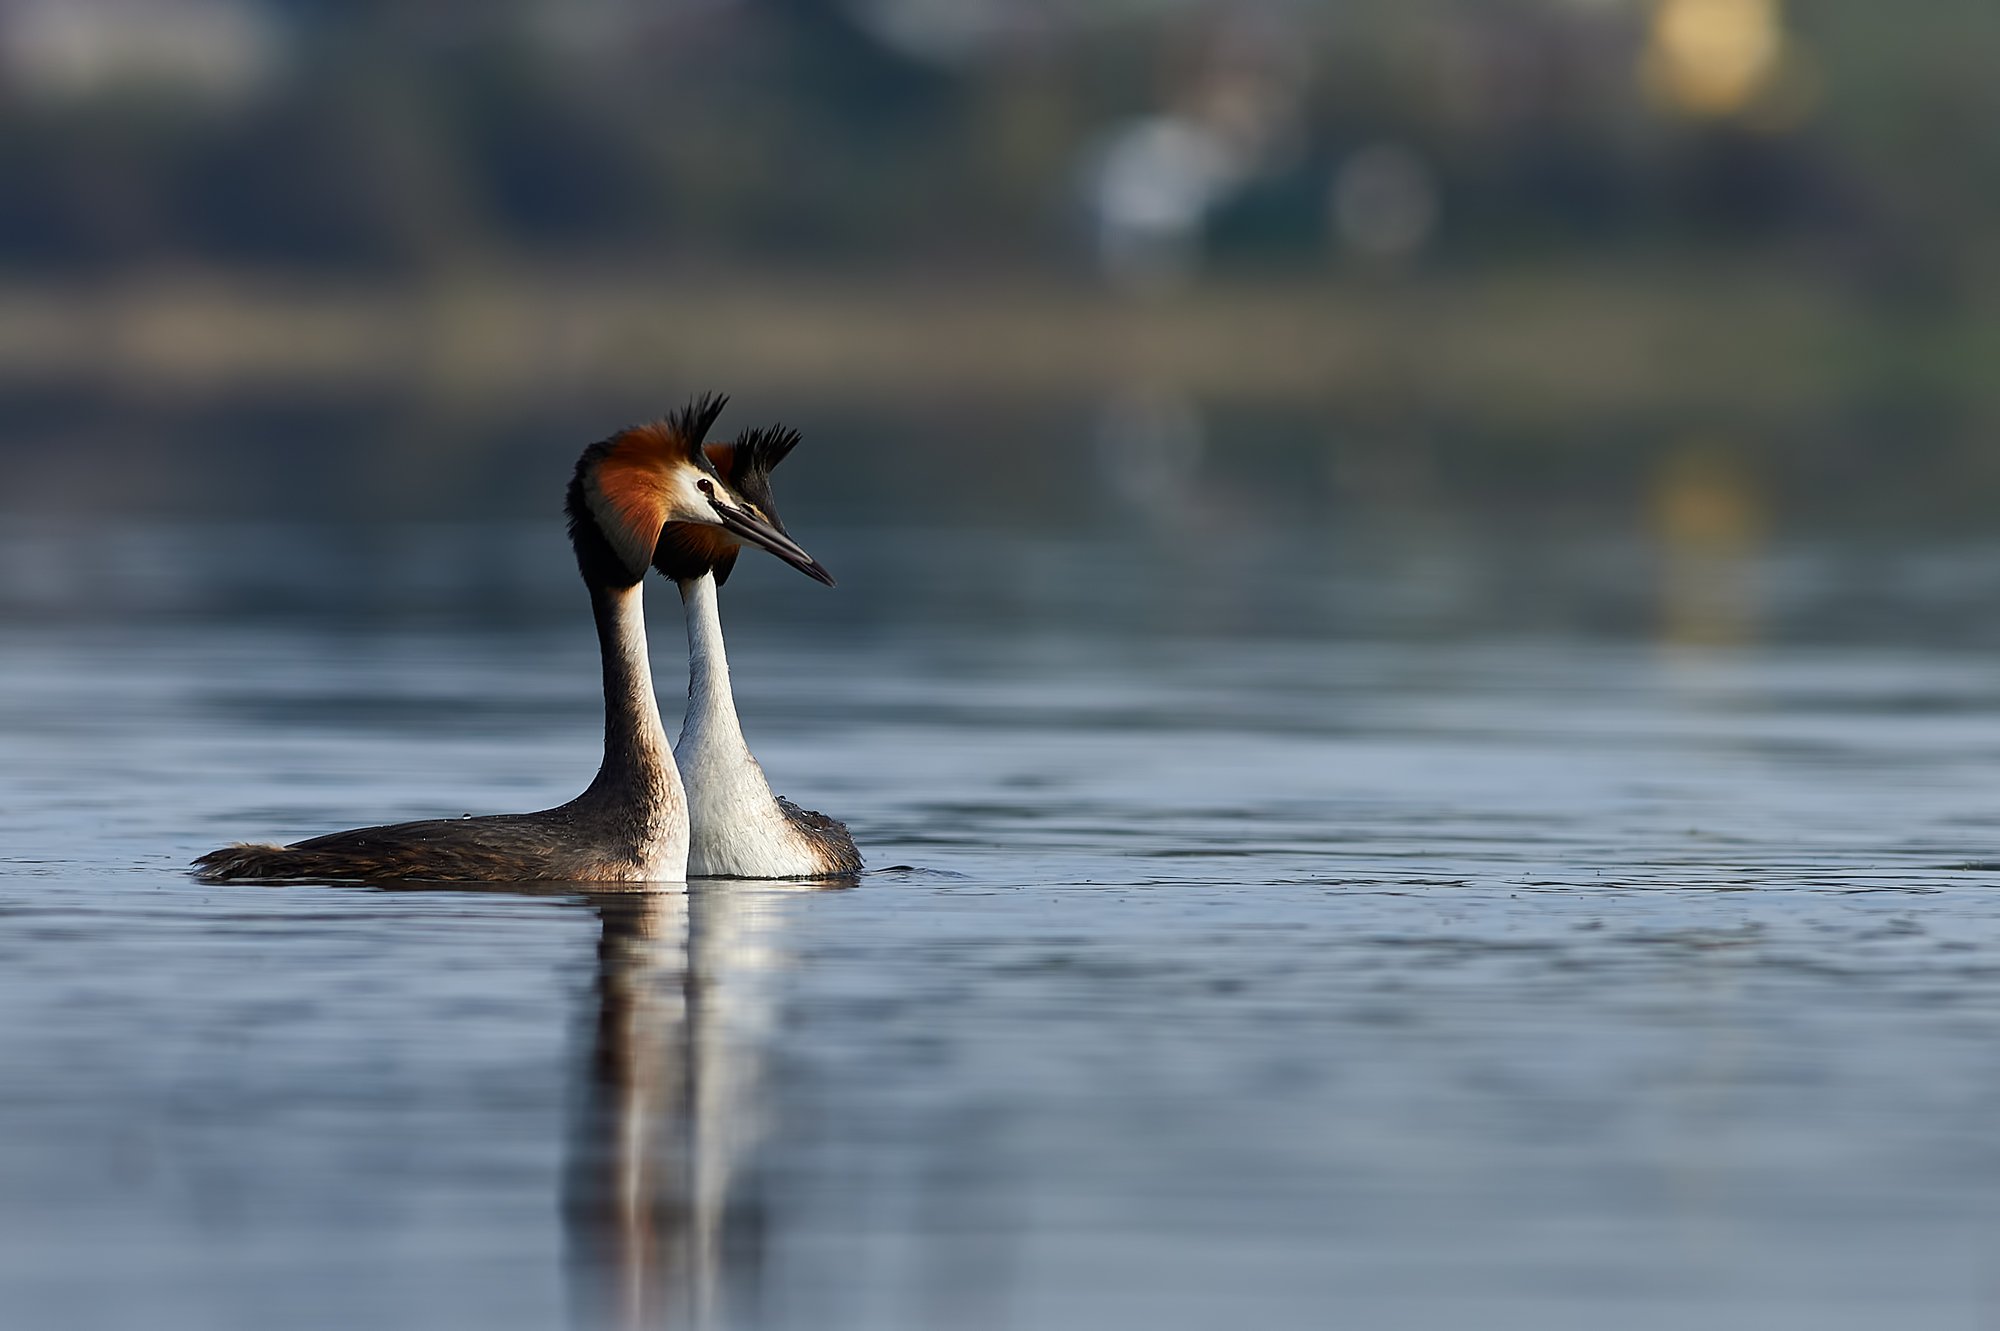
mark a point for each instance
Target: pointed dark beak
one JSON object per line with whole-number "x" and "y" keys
{"x": 757, "y": 531}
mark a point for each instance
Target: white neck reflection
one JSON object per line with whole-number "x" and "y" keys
{"x": 672, "y": 1104}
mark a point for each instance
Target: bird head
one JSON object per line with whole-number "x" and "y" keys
{"x": 628, "y": 488}
{"x": 687, "y": 550}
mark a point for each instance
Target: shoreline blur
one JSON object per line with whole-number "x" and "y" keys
{"x": 1521, "y": 347}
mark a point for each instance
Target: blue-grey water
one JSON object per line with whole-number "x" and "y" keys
{"x": 1268, "y": 927}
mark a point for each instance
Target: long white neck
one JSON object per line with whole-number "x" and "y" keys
{"x": 735, "y": 825}
{"x": 638, "y": 779}
{"x": 711, "y": 725}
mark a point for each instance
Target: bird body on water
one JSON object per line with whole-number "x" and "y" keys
{"x": 631, "y": 823}
{"x": 738, "y": 827}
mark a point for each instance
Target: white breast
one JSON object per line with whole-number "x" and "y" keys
{"x": 736, "y": 828}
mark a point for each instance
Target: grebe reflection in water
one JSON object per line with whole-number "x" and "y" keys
{"x": 659, "y": 1208}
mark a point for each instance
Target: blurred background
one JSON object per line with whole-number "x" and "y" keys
{"x": 1702, "y": 266}
{"x": 1417, "y": 586}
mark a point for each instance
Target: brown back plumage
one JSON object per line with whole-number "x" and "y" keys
{"x": 831, "y": 841}
{"x": 564, "y": 844}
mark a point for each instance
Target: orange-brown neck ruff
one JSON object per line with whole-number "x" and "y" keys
{"x": 628, "y": 488}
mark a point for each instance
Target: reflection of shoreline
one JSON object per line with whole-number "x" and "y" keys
{"x": 1711, "y": 520}
{"x": 670, "y": 1104}
{"x": 1514, "y": 347}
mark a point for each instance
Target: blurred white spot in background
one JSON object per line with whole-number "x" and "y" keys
{"x": 60, "y": 50}
{"x": 944, "y": 31}
{"x": 1385, "y": 202}
{"x": 1152, "y": 182}
{"x": 1151, "y": 190}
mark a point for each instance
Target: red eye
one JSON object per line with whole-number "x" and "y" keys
{"x": 706, "y": 487}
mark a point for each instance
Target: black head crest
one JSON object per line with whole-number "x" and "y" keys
{"x": 762, "y": 449}
{"x": 756, "y": 453}
{"x": 693, "y": 422}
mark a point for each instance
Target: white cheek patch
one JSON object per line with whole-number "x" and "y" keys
{"x": 693, "y": 505}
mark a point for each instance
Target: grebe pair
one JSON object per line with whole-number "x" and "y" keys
{"x": 652, "y": 495}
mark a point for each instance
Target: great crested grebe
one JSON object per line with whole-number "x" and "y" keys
{"x": 631, "y": 825}
{"x": 737, "y": 827}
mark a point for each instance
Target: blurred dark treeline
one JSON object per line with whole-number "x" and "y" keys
{"x": 1416, "y": 256}
{"x": 390, "y": 137}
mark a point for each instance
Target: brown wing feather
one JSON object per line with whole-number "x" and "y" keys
{"x": 501, "y": 848}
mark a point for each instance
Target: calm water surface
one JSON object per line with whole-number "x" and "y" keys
{"x": 1311, "y": 935}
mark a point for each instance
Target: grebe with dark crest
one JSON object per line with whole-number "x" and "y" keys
{"x": 631, "y": 824}
{"x": 737, "y": 827}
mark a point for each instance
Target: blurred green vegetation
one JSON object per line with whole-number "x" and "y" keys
{"x": 398, "y": 138}
{"x": 1517, "y": 238}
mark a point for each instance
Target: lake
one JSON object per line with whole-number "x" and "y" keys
{"x": 1280, "y": 914}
